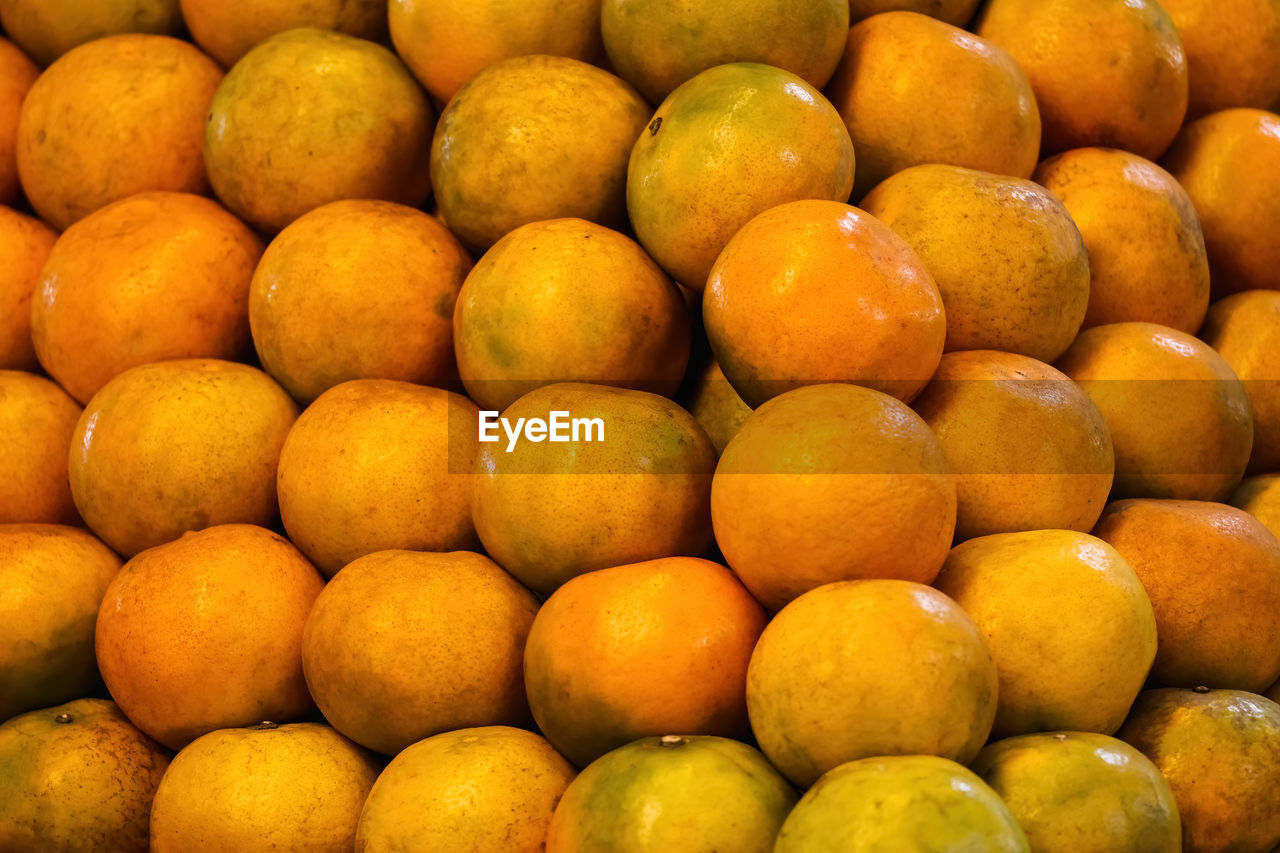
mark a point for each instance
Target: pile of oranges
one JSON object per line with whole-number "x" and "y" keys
{"x": 927, "y": 362}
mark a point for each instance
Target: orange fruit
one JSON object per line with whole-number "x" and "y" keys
{"x": 111, "y": 118}
{"x": 655, "y": 45}
{"x": 448, "y": 43}
{"x": 1147, "y": 259}
{"x": 17, "y": 73}
{"x": 175, "y": 446}
{"x": 258, "y": 788}
{"x": 807, "y": 462}
{"x": 1233, "y": 52}
{"x": 513, "y": 778}
{"x": 24, "y": 246}
{"x": 364, "y": 132}
{"x": 713, "y": 402}
{"x": 1245, "y": 330}
{"x": 205, "y": 632}
{"x": 403, "y": 645}
{"x": 384, "y": 275}
{"x": 1229, "y": 164}
{"x": 1104, "y": 72}
{"x": 574, "y": 125}
{"x": 628, "y": 652}
{"x": 566, "y": 300}
{"x": 37, "y": 421}
{"x": 227, "y": 31}
{"x": 55, "y": 578}
{"x": 954, "y": 12}
{"x": 46, "y": 29}
{"x": 868, "y": 312}
{"x": 1216, "y": 628}
{"x": 375, "y": 464}
{"x": 915, "y": 90}
{"x": 151, "y": 277}
{"x": 1179, "y": 417}
{"x": 1067, "y": 620}
{"x": 1009, "y": 262}
{"x": 726, "y": 145}
{"x": 1027, "y": 449}
{"x": 1260, "y": 497}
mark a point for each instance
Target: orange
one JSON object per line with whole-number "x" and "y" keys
{"x": 1104, "y": 72}
{"x": 403, "y": 645}
{"x": 1010, "y": 264}
{"x": 717, "y": 408}
{"x": 1260, "y": 497}
{"x": 656, "y": 45}
{"x": 955, "y": 12}
{"x": 175, "y": 446}
{"x": 1147, "y": 258}
{"x": 642, "y": 473}
{"x": 375, "y": 464}
{"x": 1027, "y": 449}
{"x": 447, "y": 42}
{"x": 24, "y": 246}
{"x": 37, "y": 421}
{"x": 867, "y": 668}
{"x": 818, "y": 291}
{"x": 566, "y": 300}
{"x": 726, "y": 145}
{"x": 46, "y": 29}
{"x": 1233, "y": 52}
{"x": 293, "y": 787}
{"x": 1179, "y": 417}
{"x": 513, "y": 779}
{"x": 533, "y": 138}
{"x": 633, "y": 651}
{"x": 1067, "y": 620}
{"x": 915, "y": 90}
{"x": 1229, "y": 164}
{"x": 807, "y": 463}
{"x": 1217, "y": 628}
{"x": 54, "y": 578}
{"x": 205, "y": 633}
{"x": 151, "y": 277}
{"x": 1245, "y": 330}
{"x": 17, "y": 73}
{"x": 364, "y": 132}
{"x": 357, "y": 290}
{"x": 111, "y": 118}
{"x": 226, "y": 31}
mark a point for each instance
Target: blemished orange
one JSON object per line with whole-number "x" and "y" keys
{"x": 566, "y": 300}
{"x": 1217, "y": 628}
{"x": 37, "y": 422}
{"x": 1104, "y": 72}
{"x": 914, "y": 90}
{"x": 357, "y": 289}
{"x": 1147, "y": 258}
{"x": 402, "y": 645}
{"x": 868, "y": 313}
{"x": 17, "y": 73}
{"x": 46, "y": 29}
{"x": 869, "y": 668}
{"x": 1260, "y": 497}
{"x": 205, "y": 633}
{"x": 447, "y": 42}
{"x": 175, "y": 446}
{"x": 575, "y": 125}
{"x": 1026, "y": 448}
{"x": 227, "y": 31}
{"x": 633, "y": 651}
{"x": 954, "y": 12}
{"x": 111, "y": 118}
{"x": 1010, "y": 264}
{"x": 365, "y": 131}
{"x": 1244, "y": 329}
{"x": 726, "y": 145}
{"x": 375, "y": 464}
{"x": 24, "y": 246}
{"x": 151, "y": 277}
{"x": 55, "y": 577}
{"x": 1179, "y": 417}
{"x": 805, "y": 464}
{"x": 1229, "y": 164}
{"x": 1233, "y": 52}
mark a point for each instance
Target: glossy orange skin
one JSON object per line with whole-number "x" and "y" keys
{"x": 37, "y": 421}
{"x": 632, "y": 651}
{"x": 46, "y": 29}
{"x": 17, "y": 73}
{"x": 151, "y": 277}
{"x": 205, "y": 633}
{"x": 227, "y": 31}
{"x": 1217, "y": 628}
{"x": 1244, "y": 328}
{"x": 24, "y": 246}
{"x": 1233, "y": 52}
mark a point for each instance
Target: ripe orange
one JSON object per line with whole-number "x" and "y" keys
{"x": 37, "y": 421}
{"x": 713, "y": 402}
{"x": 954, "y": 12}
{"x": 24, "y": 246}
{"x": 1233, "y": 52}
{"x": 46, "y": 29}
{"x": 17, "y": 73}
{"x": 1260, "y": 497}
{"x": 1245, "y": 330}
{"x": 227, "y": 31}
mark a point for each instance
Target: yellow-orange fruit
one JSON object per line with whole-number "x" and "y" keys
{"x": 1233, "y": 52}
{"x": 954, "y": 12}
{"x": 17, "y": 73}
{"x": 24, "y": 246}
{"x": 37, "y": 422}
{"x": 227, "y": 31}
{"x": 713, "y": 402}
{"x": 1260, "y": 497}
{"x": 1244, "y": 329}
{"x": 46, "y": 29}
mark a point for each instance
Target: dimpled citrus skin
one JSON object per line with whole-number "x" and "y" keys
{"x": 1244, "y": 329}
{"x": 37, "y": 422}
{"x": 227, "y": 31}
{"x": 1260, "y": 497}
{"x": 1233, "y": 52}
{"x": 17, "y": 73}
{"x": 24, "y": 245}
{"x": 726, "y": 145}
{"x": 46, "y": 29}
{"x": 954, "y": 12}
{"x": 714, "y": 404}
{"x": 915, "y": 90}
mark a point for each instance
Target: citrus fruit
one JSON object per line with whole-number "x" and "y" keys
{"x": 17, "y": 73}
{"x": 46, "y": 29}
{"x": 1233, "y": 52}
{"x": 709, "y": 397}
{"x": 37, "y": 422}
{"x": 227, "y": 31}
{"x": 24, "y": 246}
{"x": 1244, "y": 329}
{"x": 1260, "y": 497}
{"x": 955, "y": 12}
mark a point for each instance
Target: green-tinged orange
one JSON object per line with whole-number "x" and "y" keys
{"x": 227, "y": 31}
{"x": 37, "y": 423}
{"x": 24, "y": 246}
{"x": 713, "y": 402}
{"x": 46, "y": 29}
{"x": 1244, "y": 329}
